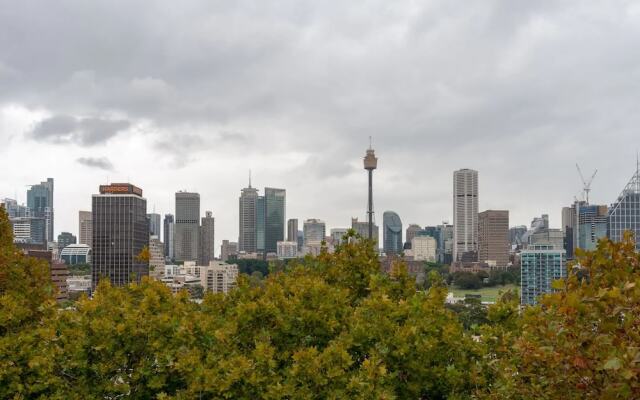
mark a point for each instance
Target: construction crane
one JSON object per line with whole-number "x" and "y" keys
{"x": 586, "y": 185}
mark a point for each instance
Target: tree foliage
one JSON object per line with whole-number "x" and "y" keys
{"x": 331, "y": 327}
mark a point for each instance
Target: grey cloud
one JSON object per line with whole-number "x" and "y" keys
{"x": 99, "y": 163}
{"x": 81, "y": 131}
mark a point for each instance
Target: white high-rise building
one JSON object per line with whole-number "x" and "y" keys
{"x": 287, "y": 250}
{"x": 85, "y": 230}
{"x": 465, "y": 212}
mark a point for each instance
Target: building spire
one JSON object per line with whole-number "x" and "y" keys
{"x": 249, "y": 178}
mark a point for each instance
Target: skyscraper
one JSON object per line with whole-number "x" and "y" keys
{"x": 275, "y": 206}
{"x": 392, "y": 232}
{"x": 493, "y": 237}
{"x": 40, "y": 202}
{"x": 260, "y": 224}
{"x": 120, "y": 232}
{"x": 187, "y": 228}
{"x": 207, "y": 235}
{"x": 65, "y": 239}
{"x": 624, "y": 213}
{"x": 154, "y": 224}
{"x": 445, "y": 243}
{"x": 169, "y": 232}
{"x": 228, "y": 250}
{"x": 591, "y": 227}
{"x": 292, "y": 230}
{"x": 85, "y": 231}
{"x": 465, "y": 212}
{"x": 247, "y": 218}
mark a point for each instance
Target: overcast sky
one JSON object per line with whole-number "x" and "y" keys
{"x": 174, "y": 95}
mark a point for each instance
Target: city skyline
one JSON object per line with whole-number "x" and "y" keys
{"x": 296, "y": 96}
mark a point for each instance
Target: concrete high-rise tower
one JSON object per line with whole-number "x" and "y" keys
{"x": 465, "y": 212}
{"x": 85, "y": 221}
{"x": 187, "y": 227}
{"x": 207, "y": 232}
{"x": 370, "y": 163}
{"x": 247, "y": 238}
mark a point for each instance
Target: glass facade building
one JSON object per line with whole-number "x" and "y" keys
{"x": 40, "y": 202}
{"x": 392, "y": 232}
{"x": 260, "y": 223}
{"x": 120, "y": 232}
{"x": 541, "y": 264}
{"x": 591, "y": 227}
{"x": 624, "y": 214}
{"x": 275, "y": 206}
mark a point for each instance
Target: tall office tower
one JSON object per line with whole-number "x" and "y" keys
{"x": 65, "y": 239}
{"x": 260, "y": 224}
{"x": 370, "y": 163}
{"x": 493, "y": 237}
{"x": 14, "y": 210}
{"x": 85, "y": 224}
{"x": 120, "y": 232}
{"x": 187, "y": 228}
{"x": 274, "y": 210}
{"x": 292, "y": 230}
{"x": 445, "y": 243}
{"x": 412, "y": 231}
{"x": 624, "y": 213}
{"x": 154, "y": 224}
{"x": 465, "y": 212}
{"x": 228, "y": 250}
{"x": 362, "y": 229}
{"x": 392, "y": 233}
{"x": 40, "y": 202}
{"x": 541, "y": 264}
{"x": 247, "y": 213}
{"x": 169, "y": 230}
{"x": 516, "y": 233}
{"x": 156, "y": 257}
{"x": 314, "y": 231}
{"x": 207, "y": 235}
{"x": 591, "y": 227}
{"x": 570, "y": 226}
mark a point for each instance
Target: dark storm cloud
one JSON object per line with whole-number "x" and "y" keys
{"x": 100, "y": 163}
{"x": 81, "y": 131}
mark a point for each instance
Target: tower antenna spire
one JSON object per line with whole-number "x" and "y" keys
{"x": 249, "y": 177}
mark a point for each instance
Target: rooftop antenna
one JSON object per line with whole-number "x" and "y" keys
{"x": 586, "y": 184}
{"x": 249, "y": 178}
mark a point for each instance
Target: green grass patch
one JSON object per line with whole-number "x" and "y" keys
{"x": 487, "y": 293}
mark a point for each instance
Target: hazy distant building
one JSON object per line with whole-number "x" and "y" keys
{"x": 516, "y": 233}
{"x": 14, "y": 210}
{"x": 424, "y": 248}
{"x": 275, "y": 206}
{"x": 187, "y": 228}
{"x": 624, "y": 213}
{"x": 248, "y": 218}
{"x": 465, "y": 212}
{"x": 412, "y": 231}
{"x": 314, "y": 232}
{"x": 65, "y": 239}
{"x": 337, "y": 234}
{"x": 85, "y": 231}
{"x": 540, "y": 265}
{"x": 120, "y": 232}
{"x": 292, "y": 230}
{"x": 362, "y": 229}
{"x": 207, "y": 236}
{"x": 392, "y": 233}
{"x": 154, "y": 224}
{"x": 169, "y": 235}
{"x": 260, "y": 224}
{"x": 228, "y": 250}
{"x": 287, "y": 250}
{"x": 40, "y": 203}
{"x": 493, "y": 237}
